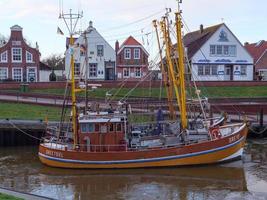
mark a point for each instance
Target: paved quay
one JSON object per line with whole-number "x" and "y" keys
{"x": 23, "y": 195}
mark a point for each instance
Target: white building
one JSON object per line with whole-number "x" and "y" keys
{"x": 217, "y": 55}
{"x": 101, "y": 57}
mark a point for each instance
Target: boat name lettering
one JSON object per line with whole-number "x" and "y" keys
{"x": 54, "y": 153}
{"x": 234, "y": 138}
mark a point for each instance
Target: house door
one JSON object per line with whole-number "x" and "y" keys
{"x": 110, "y": 70}
{"x": 109, "y": 74}
{"x": 228, "y": 72}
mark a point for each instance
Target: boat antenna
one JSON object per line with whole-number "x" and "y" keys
{"x": 71, "y": 20}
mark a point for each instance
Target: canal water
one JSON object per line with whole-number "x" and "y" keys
{"x": 21, "y": 170}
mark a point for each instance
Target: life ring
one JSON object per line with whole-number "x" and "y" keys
{"x": 215, "y": 133}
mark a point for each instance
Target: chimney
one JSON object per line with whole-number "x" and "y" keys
{"x": 246, "y": 43}
{"x": 201, "y": 28}
{"x": 117, "y": 46}
{"x": 90, "y": 24}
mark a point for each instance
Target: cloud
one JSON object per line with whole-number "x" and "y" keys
{"x": 14, "y": 9}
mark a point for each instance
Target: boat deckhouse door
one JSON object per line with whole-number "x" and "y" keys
{"x": 228, "y": 70}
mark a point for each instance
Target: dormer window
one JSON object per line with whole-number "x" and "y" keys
{"x": 127, "y": 53}
{"x": 16, "y": 55}
{"x": 28, "y": 57}
{"x": 4, "y": 57}
{"x": 136, "y": 53}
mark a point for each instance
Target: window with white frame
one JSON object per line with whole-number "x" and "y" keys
{"x": 223, "y": 50}
{"x": 4, "y": 57}
{"x": 76, "y": 69}
{"x": 207, "y": 70}
{"x": 17, "y": 74}
{"x": 232, "y": 50}
{"x": 214, "y": 70}
{"x": 212, "y": 50}
{"x": 126, "y": 72}
{"x": 100, "y": 50}
{"x": 136, "y": 53}
{"x": 3, "y": 73}
{"x": 93, "y": 70}
{"x": 127, "y": 53}
{"x": 28, "y": 57}
{"x": 16, "y": 55}
{"x": 200, "y": 70}
{"x": 243, "y": 70}
{"x": 138, "y": 72}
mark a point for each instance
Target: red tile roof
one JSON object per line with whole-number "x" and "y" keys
{"x": 256, "y": 49}
{"x": 130, "y": 41}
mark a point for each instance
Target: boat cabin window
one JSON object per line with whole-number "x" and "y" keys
{"x": 87, "y": 127}
{"x": 111, "y": 127}
{"x": 96, "y": 127}
{"x": 103, "y": 129}
{"x": 118, "y": 127}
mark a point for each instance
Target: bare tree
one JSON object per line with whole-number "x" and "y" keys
{"x": 55, "y": 61}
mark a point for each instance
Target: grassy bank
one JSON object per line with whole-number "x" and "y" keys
{"x": 28, "y": 112}
{"x": 212, "y": 92}
{"x": 8, "y": 197}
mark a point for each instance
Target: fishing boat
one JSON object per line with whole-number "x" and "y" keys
{"x": 103, "y": 139}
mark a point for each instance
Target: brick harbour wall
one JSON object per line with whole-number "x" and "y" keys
{"x": 131, "y": 84}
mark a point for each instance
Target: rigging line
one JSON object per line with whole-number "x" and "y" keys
{"x": 134, "y": 22}
{"x": 202, "y": 53}
{"x": 12, "y": 124}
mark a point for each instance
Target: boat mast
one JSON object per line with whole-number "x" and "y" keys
{"x": 86, "y": 70}
{"x": 71, "y": 25}
{"x": 181, "y": 67}
{"x": 173, "y": 77}
{"x": 168, "y": 86}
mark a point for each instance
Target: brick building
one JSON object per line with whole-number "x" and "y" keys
{"x": 131, "y": 60}
{"x": 18, "y": 61}
{"x": 258, "y": 51}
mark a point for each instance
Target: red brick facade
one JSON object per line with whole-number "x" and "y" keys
{"x": 131, "y": 60}
{"x": 18, "y": 61}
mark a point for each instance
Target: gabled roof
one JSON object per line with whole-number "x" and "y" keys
{"x": 131, "y": 41}
{"x": 257, "y": 49}
{"x": 195, "y": 40}
{"x": 44, "y": 66}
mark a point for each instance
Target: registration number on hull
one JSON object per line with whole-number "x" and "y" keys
{"x": 54, "y": 153}
{"x": 234, "y": 138}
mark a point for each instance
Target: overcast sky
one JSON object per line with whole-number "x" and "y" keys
{"x": 117, "y": 19}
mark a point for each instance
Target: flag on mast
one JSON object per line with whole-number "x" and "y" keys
{"x": 59, "y": 31}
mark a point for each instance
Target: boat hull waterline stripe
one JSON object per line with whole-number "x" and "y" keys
{"x": 141, "y": 160}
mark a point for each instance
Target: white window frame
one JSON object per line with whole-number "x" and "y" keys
{"x": 124, "y": 70}
{"x": 6, "y": 57}
{"x": 13, "y": 75}
{"x": 100, "y": 50}
{"x": 35, "y": 71}
{"x": 243, "y": 70}
{"x": 16, "y": 61}
{"x": 127, "y": 53}
{"x": 31, "y": 57}
{"x": 6, "y": 69}
{"x": 137, "y": 52}
{"x": 92, "y": 70}
{"x": 227, "y": 50}
{"x": 200, "y": 70}
{"x": 138, "y": 71}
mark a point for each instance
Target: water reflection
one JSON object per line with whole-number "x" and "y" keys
{"x": 21, "y": 170}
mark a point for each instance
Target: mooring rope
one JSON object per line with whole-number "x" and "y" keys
{"x": 12, "y": 124}
{"x": 256, "y": 132}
